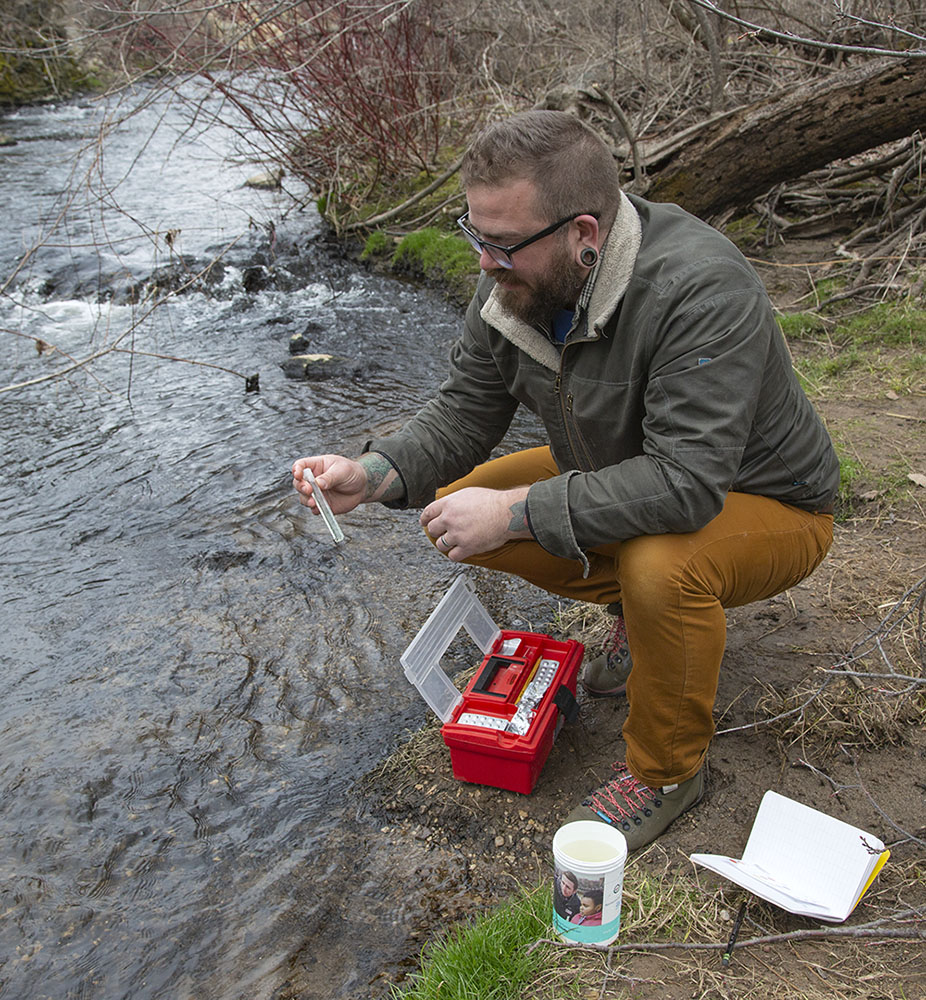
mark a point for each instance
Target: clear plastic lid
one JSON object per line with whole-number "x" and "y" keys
{"x": 421, "y": 660}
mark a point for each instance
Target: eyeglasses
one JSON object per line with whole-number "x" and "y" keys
{"x": 502, "y": 255}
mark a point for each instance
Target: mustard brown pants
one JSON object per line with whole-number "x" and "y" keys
{"x": 674, "y": 589}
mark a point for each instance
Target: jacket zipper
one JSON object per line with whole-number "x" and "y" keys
{"x": 576, "y": 444}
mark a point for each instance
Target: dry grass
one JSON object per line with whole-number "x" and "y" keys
{"x": 676, "y": 926}
{"x": 869, "y": 697}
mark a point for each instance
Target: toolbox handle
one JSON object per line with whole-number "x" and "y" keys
{"x": 488, "y": 672}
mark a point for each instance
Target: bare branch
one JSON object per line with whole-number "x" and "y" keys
{"x": 759, "y": 30}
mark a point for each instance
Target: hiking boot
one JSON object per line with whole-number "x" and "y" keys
{"x": 606, "y": 675}
{"x": 640, "y": 813}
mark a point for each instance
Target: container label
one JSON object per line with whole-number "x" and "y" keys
{"x": 586, "y": 907}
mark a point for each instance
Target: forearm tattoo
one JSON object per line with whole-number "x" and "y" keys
{"x": 518, "y": 520}
{"x": 383, "y": 482}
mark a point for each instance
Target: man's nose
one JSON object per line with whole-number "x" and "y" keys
{"x": 486, "y": 261}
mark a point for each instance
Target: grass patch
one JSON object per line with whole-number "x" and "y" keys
{"x": 490, "y": 958}
{"x": 662, "y": 902}
{"x": 859, "y": 371}
{"x": 862, "y": 354}
{"x": 801, "y": 326}
{"x": 887, "y": 324}
{"x": 851, "y": 471}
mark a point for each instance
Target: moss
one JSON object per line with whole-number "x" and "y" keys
{"x": 825, "y": 288}
{"x": 441, "y": 257}
{"x": 378, "y": 244}
{"x": 745, "y": 231}
{"x": 25, "y": 77}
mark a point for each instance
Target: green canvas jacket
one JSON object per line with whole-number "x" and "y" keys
{"x": 674, "y": 388}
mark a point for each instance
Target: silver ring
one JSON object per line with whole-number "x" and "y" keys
{"x": 442, "y": 541}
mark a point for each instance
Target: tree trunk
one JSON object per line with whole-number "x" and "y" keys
{"x": 741, "y": 155}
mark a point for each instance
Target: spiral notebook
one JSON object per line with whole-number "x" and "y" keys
{"x": 803, "y": 860}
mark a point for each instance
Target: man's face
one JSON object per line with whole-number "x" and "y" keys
{"x": 546, "y": 276}
{"x": 566, "y": 886}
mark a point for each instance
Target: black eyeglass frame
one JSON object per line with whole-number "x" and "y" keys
{"x": 479, "y": 244}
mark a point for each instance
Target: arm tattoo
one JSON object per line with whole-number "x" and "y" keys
{"x": 383, "y": 482}
{"x": 518, "y": 520}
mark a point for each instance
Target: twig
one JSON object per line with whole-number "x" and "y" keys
{"x": 639, "y": 168}
{"x": 758, "y": 29}
{"x": 186, "y": 361}
{"x": 375, "y": 220}
{"x": 875, "y": 929}
{"x": 904, "y": 416}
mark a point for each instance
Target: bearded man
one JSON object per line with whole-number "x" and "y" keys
{"x": 686, "y": 471}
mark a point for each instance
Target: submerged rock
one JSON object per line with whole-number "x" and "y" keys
{"x": 268, "y": 180}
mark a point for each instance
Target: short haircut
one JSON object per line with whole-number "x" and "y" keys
{"x": 595, "y": 895}
{"x": 574, "y": 171}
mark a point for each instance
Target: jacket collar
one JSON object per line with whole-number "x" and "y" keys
{"x": 609, "y": 281}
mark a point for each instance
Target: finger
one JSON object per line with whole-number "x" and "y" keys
{"x": 430, "y": 512}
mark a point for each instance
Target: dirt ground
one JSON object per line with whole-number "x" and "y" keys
{"x": 857, "y": 752}
{"x": 869, "y": 772}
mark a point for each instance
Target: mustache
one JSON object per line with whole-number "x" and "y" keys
{"x": 503, "y": 276}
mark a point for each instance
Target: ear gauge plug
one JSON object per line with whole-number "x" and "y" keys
{"x": 589, "y": 256}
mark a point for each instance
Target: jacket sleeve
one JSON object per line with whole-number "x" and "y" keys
{"x": 457, "y": 430}
{"x": 708, "y": 352}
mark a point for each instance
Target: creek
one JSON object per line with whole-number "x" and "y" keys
{"x": 195, "y": 677}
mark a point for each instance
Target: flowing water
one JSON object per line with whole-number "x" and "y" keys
{"x": 194, "y": 676}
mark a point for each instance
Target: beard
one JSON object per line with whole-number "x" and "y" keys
{"x": 537, "y": 304}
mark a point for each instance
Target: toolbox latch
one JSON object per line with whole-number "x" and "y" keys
{"x": 566, "y": 702}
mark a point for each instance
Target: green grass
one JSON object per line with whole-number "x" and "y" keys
{"x": 801, "y": 326}
{"x": 488, "y": 958}
{"x": 887, "y": 324}
{"x": 851, "y": 471}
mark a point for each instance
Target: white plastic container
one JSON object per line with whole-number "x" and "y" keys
{"x": 458, "y": 608}
{"x": 588, "y": 882}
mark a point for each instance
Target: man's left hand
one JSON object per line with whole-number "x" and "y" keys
{"x": 475, "y": 520}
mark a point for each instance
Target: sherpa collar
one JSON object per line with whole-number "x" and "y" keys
{"x": 609, "y": 281}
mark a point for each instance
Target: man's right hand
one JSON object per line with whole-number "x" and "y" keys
{"x": 343, "y": 481}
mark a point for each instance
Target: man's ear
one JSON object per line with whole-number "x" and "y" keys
{"x": 588, "y": 229}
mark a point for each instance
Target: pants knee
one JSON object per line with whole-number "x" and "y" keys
{"x": 652, "y": 570}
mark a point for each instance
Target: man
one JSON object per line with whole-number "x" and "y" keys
{"x": 686, "y": 471}
{"x": 566, "y": 899}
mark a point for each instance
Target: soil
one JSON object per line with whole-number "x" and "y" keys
{"x": 435, "y": 850}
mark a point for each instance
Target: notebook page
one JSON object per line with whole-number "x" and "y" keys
{"x": 818, "y": 857}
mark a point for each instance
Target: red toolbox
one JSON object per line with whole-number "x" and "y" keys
{"x": 501, "y": 727}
